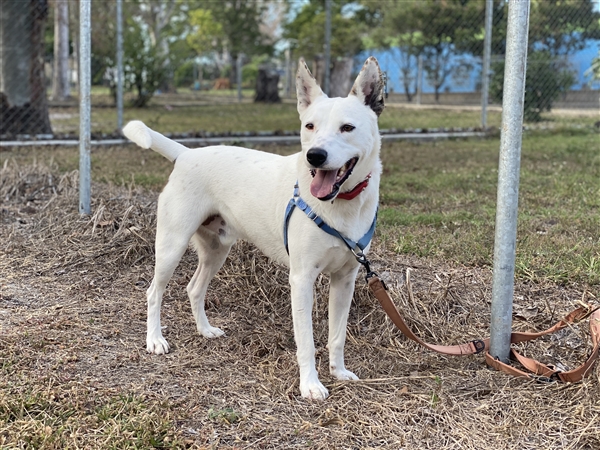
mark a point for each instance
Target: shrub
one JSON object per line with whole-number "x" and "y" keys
{"x": 546, "y": 79}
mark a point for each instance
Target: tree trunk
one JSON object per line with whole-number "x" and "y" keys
{"x": 23, "y": 104}
{"x": 233, "y": 69}
{"x": 341, "y": 77}
{"x": 61, "y": 86}
{"x": 267, "y": 89}
{"x": 74, "y": 21}
{"x": 407, "y": 91}
{"x": 318, "y": 70}
{"x": 408, "y": 94}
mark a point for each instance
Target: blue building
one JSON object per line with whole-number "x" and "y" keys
{"x": 468, "y": 79}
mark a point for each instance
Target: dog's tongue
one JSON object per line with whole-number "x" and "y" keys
{"x": 322, "y": 183}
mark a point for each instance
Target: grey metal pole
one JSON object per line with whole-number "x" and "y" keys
{"x": 119, "y": 65}
{"x": 85, "y": 81}
{"x": 485, "y": 69}
{"x": 419, "y": 78}
{"x": 508, "y": 178}
{"x": 288, "y": 73}
{"x": 238, "y": 65}
{"x": 327, "y": 46}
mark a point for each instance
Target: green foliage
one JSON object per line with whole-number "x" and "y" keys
{"x": 594, "y": 70}
{"x": 206, "y": 31}
{"x": 557, "y": 28}
{"x": 143, "y": 63}
{"x": 224, "y": 30}
{"x": 437, "y": 31}
{"x": 184, "y": 74}
{"x": 562, "y": 27}
{"x": 103, "y": 38}
{"x": 307, "y": 31}
{"x": 546, "y": 79}
{"x": 150, "y": 45}
{"x": 250, "y": 70}
{"x": 189, "y": 71}
{"x": 227, "y": 415}
{"x": 234, "y": 26}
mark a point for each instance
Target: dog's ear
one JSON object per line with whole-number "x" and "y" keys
{"x": 307, "y": 88}
{"x": 368, "y": 86}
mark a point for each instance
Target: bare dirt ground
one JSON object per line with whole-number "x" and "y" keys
{"x": 74, "y": 372}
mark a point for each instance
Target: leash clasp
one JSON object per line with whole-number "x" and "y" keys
{"x": 362, "y": 259}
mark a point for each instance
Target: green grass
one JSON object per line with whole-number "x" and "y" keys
{"x": 53, "y": 417}
{"x": 177, "y": 114}
{"x": 437, "y": 198}
{"x": 215, "y": 118}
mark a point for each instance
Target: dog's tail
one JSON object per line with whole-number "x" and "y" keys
{"x": 143, "y": 136}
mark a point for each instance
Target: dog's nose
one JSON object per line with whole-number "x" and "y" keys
{"x": 316, "y": 156}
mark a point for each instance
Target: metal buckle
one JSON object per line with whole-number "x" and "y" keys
{"x": 479, "y": 346}
{"x": 551, "y": 379}
{"x": 557, "y": 371}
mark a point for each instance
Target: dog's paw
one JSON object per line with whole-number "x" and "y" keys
{"x": 314, "y": 391}
{"x": 343, "y": 375}
{"x": 211, "y": 332}
{"x": 157, "y": 345}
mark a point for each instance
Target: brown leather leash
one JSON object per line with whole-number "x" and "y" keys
{"x": 538, "y": 370}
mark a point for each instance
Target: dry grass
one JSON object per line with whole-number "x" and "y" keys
{"x": 74, "y": 372}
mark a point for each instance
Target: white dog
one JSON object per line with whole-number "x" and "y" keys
{"x": 217, "y": 195}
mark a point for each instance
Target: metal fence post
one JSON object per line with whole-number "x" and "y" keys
{"x": 326, "y": 81}
{"x": 288, "y": 73}
{"x": 85, "y": 81}
{"x": 119, "y": 65}
{"x": 508, "y": 178}
{"x": 419, "y": 78}
{"x": 238, "y": 69}
{"x": 485, "y": 69}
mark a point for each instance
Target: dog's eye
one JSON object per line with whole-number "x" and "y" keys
{"x": 309, "y": 126}
{"x": 347, "y": 128}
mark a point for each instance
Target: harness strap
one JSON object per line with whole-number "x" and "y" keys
{"x": 297, "y": 201}
{"x": 539, "y": 370}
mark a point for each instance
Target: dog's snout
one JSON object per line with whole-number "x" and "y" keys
{"x": 316, "y": 156}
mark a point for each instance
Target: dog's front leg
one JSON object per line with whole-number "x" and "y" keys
{"x": 340, "y": 298}
{"x": 155, "y": 342}
{"x": 302, "y": 303}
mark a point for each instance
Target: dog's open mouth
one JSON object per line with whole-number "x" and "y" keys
{"x": 326, "y": 183}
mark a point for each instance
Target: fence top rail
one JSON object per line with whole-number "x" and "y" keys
{"x": 248, "y": 139}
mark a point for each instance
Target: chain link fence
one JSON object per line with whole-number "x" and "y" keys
{"x": 183, "y": 54}
{"x": 437, "y": 51}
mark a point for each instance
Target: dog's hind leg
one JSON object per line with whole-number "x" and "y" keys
{"x": 175, "y": 227}
{"x": 211, "y": 256}
{"x": 340, "y": 298}
{"x": 168, "y": 255}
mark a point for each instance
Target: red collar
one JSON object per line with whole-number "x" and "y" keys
{"x": 356, "y": 190}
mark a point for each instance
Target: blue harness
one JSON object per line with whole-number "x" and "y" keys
{"x": 355, "y": 247}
